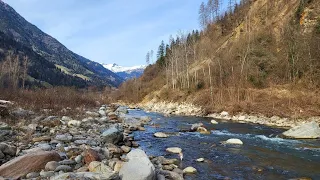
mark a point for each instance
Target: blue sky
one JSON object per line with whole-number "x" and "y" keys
{"x": 111, "y": 31}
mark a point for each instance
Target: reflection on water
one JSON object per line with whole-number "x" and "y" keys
{"x": 263, "y": 155}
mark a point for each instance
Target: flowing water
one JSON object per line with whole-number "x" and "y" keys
{"x": 262, "y": 156}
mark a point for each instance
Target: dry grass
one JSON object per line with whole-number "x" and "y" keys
{"x": 55, "y": 100}
{"x": 279, "y": 101}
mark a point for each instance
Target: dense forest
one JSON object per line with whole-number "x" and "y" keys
{"x": 255, "y": 56}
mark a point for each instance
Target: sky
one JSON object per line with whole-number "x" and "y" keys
{"x": 111, "y": 31}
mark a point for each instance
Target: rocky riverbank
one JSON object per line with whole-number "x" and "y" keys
{"x": 98, "y": 146}
{"x": 169, "y": 108}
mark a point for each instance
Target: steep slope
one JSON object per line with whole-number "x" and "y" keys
{"x": 41, "y": 45}
{"x": 261, "y": 58}
{"x": 126, "y": 72}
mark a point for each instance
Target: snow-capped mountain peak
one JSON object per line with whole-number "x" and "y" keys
{"x": 116, "y": 68}
{"x": 126, "y": 72}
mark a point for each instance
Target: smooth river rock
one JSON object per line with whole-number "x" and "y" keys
{"x": 189, "y": 170}
{"x": 28, "y": 163}
{"x": 308, "y": 130}
{"x": 139, "y": 167}
{"x": 214, "y": 121}
{"x": 160, "y": 135}
{"x": 234, "y": 141}
{"x": 175, "y": 150}
{"x": 112, "y": 135}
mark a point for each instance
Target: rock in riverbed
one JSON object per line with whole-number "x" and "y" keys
{"x": 175, "y": 150}
{"x": 189, "y": 170}
{"x": 309, "y": 130}
{"x": 234, "y": 141}
{"x": 28, "y": 163}
{"x": 139, "y": 167}
{"x": 214, "y": 121}
{"x": 160, "y": 135}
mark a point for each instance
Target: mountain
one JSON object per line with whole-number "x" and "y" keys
{"x": 126, "y": 72}
{"x": 50, "y": 62}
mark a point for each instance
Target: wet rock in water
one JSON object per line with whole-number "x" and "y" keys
{"x": 25, "y": 164}
{"x": 175, "y": 150}
{"x": 200, "y": 160}
{"x": 51, "y": 166}
{"x": 141, "y": 128}
{"x": 112, "y": 135}
{"x": 51, "y": 121}
{"x": 134, "y": 144}
{"x": 139, "y": 167}
{"x": 194, "y": 127}
{"x": 91, "y": 155}
{"x": 63, "y": 168}
{"x": 308, "y": 130}
{"x": 160, "y": 135}
{"x": 234, "y": 141}
{"x": 171, "y": 175}
{"x": 214, "y": 121}
{"x": 203, "y": 130}
{"x": 189, "y": 170}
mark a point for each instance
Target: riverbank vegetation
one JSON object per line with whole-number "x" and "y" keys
{"x": 255, "y": 57}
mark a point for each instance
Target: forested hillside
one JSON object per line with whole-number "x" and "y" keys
{"x": 258, "y": 56}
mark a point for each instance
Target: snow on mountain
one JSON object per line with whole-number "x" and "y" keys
{"x": 126, "y": 72}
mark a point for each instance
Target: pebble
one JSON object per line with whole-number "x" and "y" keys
{"x": 63, "y": 168}
{"x": 200, "y": 160}
{"x": 51, "y": 166}
{"x": 32, "y": 175}
{"x": 46, "y": 174}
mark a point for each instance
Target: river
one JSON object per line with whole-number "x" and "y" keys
{"x": 262, "y": 156}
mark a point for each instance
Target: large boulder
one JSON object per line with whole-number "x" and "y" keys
{"x": 113, "y": 134}
{"x": 28, "y": 163}
{"x": 139, "y": 167}
{"x": 308, "y": 130}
